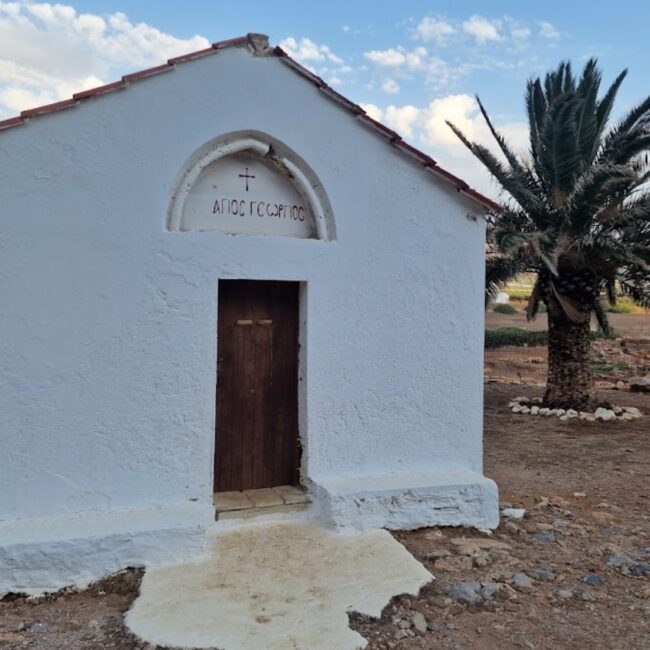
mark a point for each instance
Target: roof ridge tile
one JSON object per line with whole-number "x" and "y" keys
{"x": 49, "y": 108}
{"x": 100, "y": 90}
{"x": 147, "y": 72}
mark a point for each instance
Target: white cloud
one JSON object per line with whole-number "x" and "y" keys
{"x": 434, "y": 29}
{"x": 48, "y": 51}
{"x": 373, "y": 110}
{"x": 520, "y": 33}
{"x": 427, "y": 128}
{"x": 390, "y": 86}
{"x": 398, "y": 57}
{"x": 482, "y": 29}
{"x": 548, "y": 30}
{"x": 403, "y": 118}
{"x": 306, "y": 51}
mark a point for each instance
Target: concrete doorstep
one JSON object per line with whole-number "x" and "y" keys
{"x": 275, "y": 586}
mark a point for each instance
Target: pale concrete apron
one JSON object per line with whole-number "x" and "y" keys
{"x": 274, "y": 586}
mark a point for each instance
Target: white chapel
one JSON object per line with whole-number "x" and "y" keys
{"x": 224, "y": 284}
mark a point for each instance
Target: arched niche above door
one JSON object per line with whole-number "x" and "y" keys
{"x": 248, "y": 183}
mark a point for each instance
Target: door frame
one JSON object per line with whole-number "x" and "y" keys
{"x": 301, "y": 378}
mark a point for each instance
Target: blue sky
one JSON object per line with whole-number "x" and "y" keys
{"x": 412, "y": 64}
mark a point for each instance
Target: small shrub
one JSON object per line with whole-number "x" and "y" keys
{"x": 519, "y": 293}
{"x": 502, "y": 336}
{"x": 604, "y": 368}
{"x": 516, "y": 336}
{"x": 623, "y": 306}
{"x": 599, "y": 334}
{"x": 504, "y": 309}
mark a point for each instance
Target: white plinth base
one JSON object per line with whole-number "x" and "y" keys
{"x": 404, "y": 501}
{"x": 47, "y": 554}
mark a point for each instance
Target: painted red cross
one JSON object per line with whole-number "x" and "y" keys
{"x": 246, "y": 176}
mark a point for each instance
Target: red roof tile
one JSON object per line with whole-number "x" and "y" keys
{"x": 48, "y": 108}
{"x": 147, "y": 72}
{"x": 259, "y": 45}
{"x": 192, "y": 55}
{"x": 100, "y": 90}
{"x": 12, "y": 121}
{"x": 233, "y": 42}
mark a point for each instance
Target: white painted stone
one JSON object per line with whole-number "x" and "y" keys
{"x": 109, "y": 315}
{"x": 604, "y": 414}
{"x": 501, "y": 298}
{"x": 276, "y": 586}
{"x": 632, "y": 410}
{"x": 514, "y": 513}
{"x": 534, "y": 410}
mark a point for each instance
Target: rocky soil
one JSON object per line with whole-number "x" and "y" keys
{"x": 620, "y": 365}
{"x": 573, "y": 573}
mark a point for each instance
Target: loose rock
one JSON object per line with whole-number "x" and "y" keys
{"x": 514, "y": 513}
{"x": 453, "y": 564}
{"x": 617, "y": 560}
{"x": 522, "y": 581}
{"x": 419, "y": 622}
{"x": 466, "y": 592}
{"x": 489, "y": 589}
{"x": 593, "y": 580}
{"x": 437, "y": 554}
{"x": 542, "y": 574}
{"x": 604, "y": 414}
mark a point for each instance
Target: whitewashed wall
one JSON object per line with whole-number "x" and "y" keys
{"x": 108, "y": 321}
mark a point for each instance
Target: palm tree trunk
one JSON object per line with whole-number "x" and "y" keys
{"x": 570, "y": 378}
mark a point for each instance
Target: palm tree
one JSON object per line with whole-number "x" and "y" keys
{"x": 576, "y": 212}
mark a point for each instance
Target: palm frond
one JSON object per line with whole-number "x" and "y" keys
{"x": 510, "y": 182}
{"x": 536, "y": 108}
{"x": 500, "y": 270}
{"x": 634, "y": 118}
{"x": 509, "y": 154}
{"x": 606, "y": 104}
{"x": 559, "y": 152}
{"x": 594, "y": 188}
{"x": 635, "y": 283}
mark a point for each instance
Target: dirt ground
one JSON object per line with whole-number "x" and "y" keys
{"x": 585, "y": 487}
{"x": 626, "y": 325}
{"x": 574, "y": 574}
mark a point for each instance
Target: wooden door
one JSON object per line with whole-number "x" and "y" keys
{"x": 257, "y": 441}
